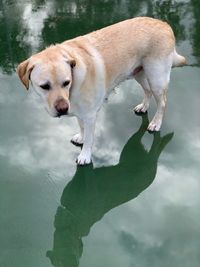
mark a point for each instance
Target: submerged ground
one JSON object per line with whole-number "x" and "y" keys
{"x": 139, "y": 204}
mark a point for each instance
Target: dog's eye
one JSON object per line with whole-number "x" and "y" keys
{"x": 45, "y": 86}
{"x": 66, "y": 83}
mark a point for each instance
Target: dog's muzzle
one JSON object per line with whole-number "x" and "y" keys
{"x": 61, "y": 106}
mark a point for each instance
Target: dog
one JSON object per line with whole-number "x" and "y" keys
{"x": 75, "y": 77}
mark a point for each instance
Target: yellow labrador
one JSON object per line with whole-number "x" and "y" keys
{"x": 75, "y": 77}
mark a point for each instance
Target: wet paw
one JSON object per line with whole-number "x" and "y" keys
{"x": 140, "y": 109}
{"x": 77, "y": 140}
{"x": 154, "y": 127}
{"x": 84, "y": 159}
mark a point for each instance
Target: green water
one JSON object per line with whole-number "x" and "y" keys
{"x": 139, "y": 204}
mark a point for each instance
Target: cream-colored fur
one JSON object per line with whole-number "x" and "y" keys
{"x": 77, "y": 75}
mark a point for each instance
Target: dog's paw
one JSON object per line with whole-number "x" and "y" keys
{"x": 77, "y": 140}
{"x": 154, "y": 126}
{"x": 84, "y": 159}
{"x": 140, "y": 109}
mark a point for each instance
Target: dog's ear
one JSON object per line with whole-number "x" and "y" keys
{"x": 67, "y": 56}
{"x": 72, "y": 62}
{"x": 24, "y": 71}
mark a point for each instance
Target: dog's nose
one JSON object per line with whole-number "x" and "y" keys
{"x": 61, "y": 107}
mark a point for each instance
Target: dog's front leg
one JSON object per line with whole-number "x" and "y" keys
{"x": 77, "y": 139}
{"x": 88, "y": 137}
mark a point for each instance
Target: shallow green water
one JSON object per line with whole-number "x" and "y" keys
{"x": 139, "y": 205}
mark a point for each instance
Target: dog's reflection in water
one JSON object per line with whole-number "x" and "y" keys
{"x": 93, "y": 192}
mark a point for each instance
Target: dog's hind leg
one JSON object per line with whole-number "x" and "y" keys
{"x": 158, "y": 75}
{"x": 161, "y": 99}
{"x": 141, "y": 78}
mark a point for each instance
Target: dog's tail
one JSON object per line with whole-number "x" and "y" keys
{"x": 178, "y": 60}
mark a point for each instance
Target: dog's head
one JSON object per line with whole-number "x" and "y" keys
{"x": 50, "y": 73}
